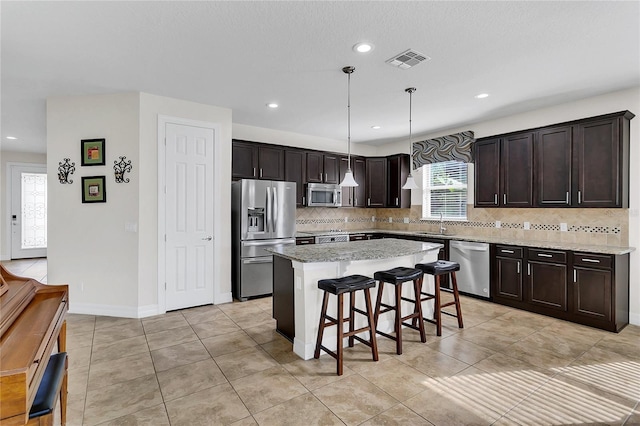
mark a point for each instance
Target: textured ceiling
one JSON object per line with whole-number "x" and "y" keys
{"x": 242, "y": 55}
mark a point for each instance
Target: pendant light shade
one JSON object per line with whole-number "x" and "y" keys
{"x": 348, "y": 177}
{"x": 410, "y": 183}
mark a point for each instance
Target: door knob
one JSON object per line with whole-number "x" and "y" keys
{"x": 208, "y": 238}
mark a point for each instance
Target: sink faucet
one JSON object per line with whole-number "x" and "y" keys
{"x": 442, "y": 228}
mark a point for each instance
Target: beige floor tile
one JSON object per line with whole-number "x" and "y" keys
{"x": 77, "y": 382}
{"x": 246, "y": 320}
{"x": 171, "y": 337}
{"x": 395, "y": 378}
{"x": 108, "y": 322}
{"x": 303, "y": 410}
{"x": 267, "y": 388}
{"x": 263, "y": 333}
{"x": 154, "y": 416}
{"x": 79, "y": 340}
{"x": 214, "y": 406}
{"x": 75, "y": 411}
{"x": 462, "y": 350}
{"x": 546, "y": 350}
{"x": 187, "y": 379}
{"x": 164, "y": 322}
{"x": 178, "y": 355}
{"x": 316, "y": 373}
{"x": 627, "y": 345}
{"x": 202, "y": 313}
{"x": 115, "y": 333}
{"x": 118, "y": 400}
{"x": 598, "y": 355}
{"x": 495, "y": 336}
{"x": 247, "y": 421}
{"x": 433, "y": 363}
{"x": 79, "y": 357}
{"x": 119, "y": 349}
{"x": 281, "y": 350}
{"x": 120, "y": 370}
{"x": 442, "y": 406}
{"x": 244, "y": 362}
{"x": 228, "y": 343}
{"x": 78, "y": 323}
{"x": 216, "y": 327}
{"x": 501, "y": 363}
{"x": 354, "y": 399}
{"x": 398, "y": 415}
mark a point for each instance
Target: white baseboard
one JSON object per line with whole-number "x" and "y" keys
{"x": 221, "y": 298}
{"x": 4, "y": 257}
{"x": 634, "y": 318}
{"x": 113, "y": 311}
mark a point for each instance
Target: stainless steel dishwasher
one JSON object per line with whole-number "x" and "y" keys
{"x": 473, "y": 277}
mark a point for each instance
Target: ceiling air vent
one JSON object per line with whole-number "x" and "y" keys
{"x": 407, "y": 59}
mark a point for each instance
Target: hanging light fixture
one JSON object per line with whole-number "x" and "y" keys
{"x": 348, "y": 177}
{"x": 410, "y": 183}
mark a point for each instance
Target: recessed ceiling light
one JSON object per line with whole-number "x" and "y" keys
{"x": 375, "y": 127}
{"x": 363, "y": 47}
{"x": 272, "y": 105}
{"x": 482, "y": 96}
{"x": 11, "y": 137}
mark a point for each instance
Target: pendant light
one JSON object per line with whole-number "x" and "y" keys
{"x": 348, "y": 177}
{"x": 410, "y": 183}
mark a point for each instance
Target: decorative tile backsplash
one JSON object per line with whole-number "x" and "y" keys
{"x": 607, "y": 227}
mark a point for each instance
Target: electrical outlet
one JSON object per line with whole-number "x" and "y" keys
{"x": 406, "y": 220}
{"x": 563, "y": 227}
{"x": 346, "y": 219}
{"x": 373, "y": 218}
{"x": 498, "y": 224}
{"x": 390, "y": 220}
{"x": 527, "y": 226}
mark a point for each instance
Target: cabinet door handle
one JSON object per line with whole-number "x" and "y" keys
{"x": 591, "y": 260}
{"x": 567, "y": 198}
{"x": 575, "y": 276}
{"x": 528, "y": 269}
{"x": 304, "y": 199}
{"x": 518, "y": 267}
{"x": 544, "y": 255}
{"x": 356, "y": 202}
{"x": 495, "y": 199}
{"x": 260, "y": 171}
{"x": 504, "y": 199}
{"x": 254, "y": 172}
{"x": 579, "y": 197}
{"x": 368, "y": 201}
{"x": 507, "y": 251}
{"x": 325, "y": 177}
{"x": 396, "y": 201}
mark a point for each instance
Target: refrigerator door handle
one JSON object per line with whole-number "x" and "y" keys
{"x": 274, "y": 206}
{"x": 268, "y": 210}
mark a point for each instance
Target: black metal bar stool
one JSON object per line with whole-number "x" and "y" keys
{"x": 398, "y": 276}
{"x": 442, "y": 267}
{"x": 340, "y": 286}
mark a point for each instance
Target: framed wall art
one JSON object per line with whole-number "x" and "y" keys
{"x": 92, "y": 152}
{"x": 93, "y": 189}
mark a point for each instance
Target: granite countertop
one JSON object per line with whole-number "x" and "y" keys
{"x": 491, "y": 240}
{"x": 356, "y": 250}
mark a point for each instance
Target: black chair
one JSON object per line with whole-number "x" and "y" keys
{"x": 339, "y": 286}
{"x": 442, "y": 267}
{"x": 398, "y": 276}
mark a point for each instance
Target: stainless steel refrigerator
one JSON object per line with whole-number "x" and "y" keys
{"x": 263, "y": 215}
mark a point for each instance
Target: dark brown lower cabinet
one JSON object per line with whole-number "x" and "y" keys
{"x": 585, "y": 288}
{"x": 283, "y": 297}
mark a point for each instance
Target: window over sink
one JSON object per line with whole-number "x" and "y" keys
{"x": 444, "y": 190}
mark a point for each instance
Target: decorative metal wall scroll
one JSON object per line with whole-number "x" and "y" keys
{"x": 65, "y": 170}
{"x": 120, "y": 168}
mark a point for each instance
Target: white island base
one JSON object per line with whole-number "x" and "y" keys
{"x": 308, "y": 298}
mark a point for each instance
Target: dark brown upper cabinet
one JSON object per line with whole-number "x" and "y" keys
{"x": 376, "y": 182}
{"x": 323, "y": 167}
{"x": 354, "y": 196}
{"x": 397, "y": 172}
{"x": 256, "y": 161}
{"x": 552, "y": 167}
{"x": 295, "y": 166}
{"x": 584, "y": 163}
{"x": 503, "y": 170}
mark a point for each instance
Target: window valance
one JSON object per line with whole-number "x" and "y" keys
{"x": 456, "y": 147}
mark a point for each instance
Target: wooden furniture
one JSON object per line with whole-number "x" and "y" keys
{"x": 354, "y": 196}
{"x": 397, "y": 172}
{"x": 582, "y": 163}
{"x": 295, "y": 170}
{"x": 438, "y": 269}
{"x": 32, "y": 320}
{"x": 585, "y": 288}
{"x": 376, "y": 182}
{"x": 341, "y": 286}
{"x": 256, "y": 161}
{"x": 397, "y": 277}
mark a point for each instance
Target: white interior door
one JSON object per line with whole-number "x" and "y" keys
{"x": 28, "y": 211}
{"x": 189, "y": 216}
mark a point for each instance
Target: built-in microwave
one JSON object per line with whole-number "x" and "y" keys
{"x": 324, "y": 195}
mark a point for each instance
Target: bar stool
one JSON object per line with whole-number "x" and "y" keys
{"x": 398, "y": 276}
{"x": 442, "y": 267}
{"x": 339, "y": 286}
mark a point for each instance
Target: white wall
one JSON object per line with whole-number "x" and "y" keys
{"x": 89, "y": 248}
{"x": 5, "y": 194}
{"x": 611, "y": 102}
{"x": 112, "y": 271}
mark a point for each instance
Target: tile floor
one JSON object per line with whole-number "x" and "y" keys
{"x": 225, "y": 364}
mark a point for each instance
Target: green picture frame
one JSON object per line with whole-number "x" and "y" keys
{"x": 94, "y": 189}
{"x": 92, "y": 152}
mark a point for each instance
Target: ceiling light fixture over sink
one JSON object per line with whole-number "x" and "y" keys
{"x": 348, "y": 177}
{"x": 410, "y": 183}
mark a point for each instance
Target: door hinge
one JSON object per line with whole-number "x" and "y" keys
{"x": 165, "y": 286}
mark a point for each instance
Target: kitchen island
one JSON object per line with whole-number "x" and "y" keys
{"x": 296, "y": 270}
